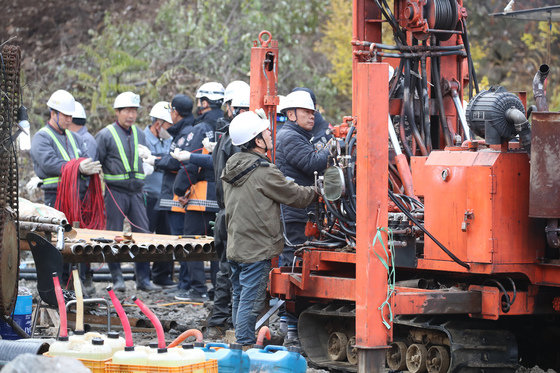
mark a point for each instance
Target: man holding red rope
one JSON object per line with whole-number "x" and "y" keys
{"x": 53, "y": 146}
{"x": 117, "y": 146}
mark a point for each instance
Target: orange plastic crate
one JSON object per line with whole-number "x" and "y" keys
{"x": 210, "y": 366}
{"x": 96, "y": 366}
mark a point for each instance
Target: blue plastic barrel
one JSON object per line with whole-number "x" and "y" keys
{"x": 277, "y": 359}
{"x": 21, "y": 316}
{"x": 231, "y": 359}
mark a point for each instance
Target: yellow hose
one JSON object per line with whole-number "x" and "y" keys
{"x": 79, "y": 301}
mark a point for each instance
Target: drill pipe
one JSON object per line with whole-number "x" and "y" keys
{"x": 42, "y": 227}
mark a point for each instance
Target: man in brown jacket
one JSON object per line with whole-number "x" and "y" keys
{"x": 254, "y": 188}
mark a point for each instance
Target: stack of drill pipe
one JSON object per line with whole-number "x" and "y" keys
{"x": 142, "y": 247}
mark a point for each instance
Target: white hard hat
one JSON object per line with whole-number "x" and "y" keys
{"x": 126, "y": 99}
{"x": 281, "y": 105}
{"x": 242, "y": 97}
{"x": 213, "y": 91}
{"x": 233, "y": 87}
{"x": 79, "y": 112}
{"x": 62, "y": 101}
{"x": 246, "y": 126}
{"x": 162, "y": 110}
{"x": 299, "y": 99}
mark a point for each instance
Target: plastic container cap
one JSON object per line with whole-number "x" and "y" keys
{"x": 113, "y": 335}
{"x": 161, "y": 350}
{"x": 79, "y": 332}
{"x": 198, "y": 344}
{"x": 188, "y": 346}
{"x": 294, "y": 349}
{"x": 63, "y": 339}
{"x": 129, "y": 348}
{"x": 260, "y": 347}
{"x": 97, "y": 341}
{"x": 235, "y": 346}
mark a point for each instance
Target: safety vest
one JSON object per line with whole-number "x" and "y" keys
{"x": 198, "y": 195}
{"x": 129, "y": 173}
{"x": 62, "y": 151}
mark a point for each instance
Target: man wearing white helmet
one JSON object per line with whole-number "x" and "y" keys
{"x": 254, "y": 188}
{"x": 298, "y": 159}
{"x": 117, "y": 146}
{"x": 54, "y": 145}
{"x": 159, "y": 142}
{"x": 209, "y": 100}
{"x": 78, "y": 126}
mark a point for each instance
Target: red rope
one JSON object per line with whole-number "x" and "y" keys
{"x": 91, "y": 211}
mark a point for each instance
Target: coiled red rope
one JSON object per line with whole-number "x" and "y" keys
{"x": 91, "y": 211}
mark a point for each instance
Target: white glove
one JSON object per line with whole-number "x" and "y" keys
{"x": 148, "y": 168}
{"x": 89, "y": 167}
{"x": 181, "y": 155}
{"x": 151, "y": 159}
{"x": 33, "y": 184}
{"x": 260, "y": 112}
{"x": 143, "y": 151}
{"x": 208, "y": 145}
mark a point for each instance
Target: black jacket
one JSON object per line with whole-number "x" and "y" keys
{"x": 211, "y": 118}
{"x": 186, "y": 136}
{"x": 223, "y": 151}
{"x": 298, "y": 159}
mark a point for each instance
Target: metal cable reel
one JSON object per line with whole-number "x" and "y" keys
{"x": 9, "y": 238}
{"x": 426, "y": 17}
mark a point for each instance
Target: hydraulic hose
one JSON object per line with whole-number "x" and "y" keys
{"x": 426, "y": 102}
{"x": 413, "y": 219}
{"x": 408, "y": 102}
{"x": 436, "y": 79}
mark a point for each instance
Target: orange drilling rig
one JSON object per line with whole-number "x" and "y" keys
{"x": 437, "y": 237}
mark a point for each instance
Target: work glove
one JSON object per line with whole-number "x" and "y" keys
{"x": 151, "y": 159}
{"x": 90, "y": 167}
{"x": 181, "y": 155}
{"x": 260, "y": 112}
{"x": 33, "y": 184}
{"x": 208, "y": 145}
{"x": 143, "y": 151}
{"x": 148, "y": 168}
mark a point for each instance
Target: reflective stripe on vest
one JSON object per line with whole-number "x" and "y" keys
{"x": 61, "y": 150}
{"x": 129, "y": 173}
{"x": 198, "y": 200}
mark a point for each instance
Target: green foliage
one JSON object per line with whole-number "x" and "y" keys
{"x": 186, "y": 44}
{"x": 336, "y": 45}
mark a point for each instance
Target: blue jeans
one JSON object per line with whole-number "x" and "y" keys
{"x": 249, "y": 282}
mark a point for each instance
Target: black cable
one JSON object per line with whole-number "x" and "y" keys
{"x": 508, "y": 303}
{"x": 436, "y": 79}
{"x": 413, "y": 219}
{"x": 472, "y": 72}
{"x": 514, "y": 290}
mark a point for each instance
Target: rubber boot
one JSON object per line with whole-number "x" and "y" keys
{"x": 117, "y": 277}
{"x": 143, "y": 282}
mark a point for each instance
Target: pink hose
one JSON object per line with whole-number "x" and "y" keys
{"x": 122, "y": 316}
{"x": 153, "y": 318}
{"x": 61, "y": 306}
